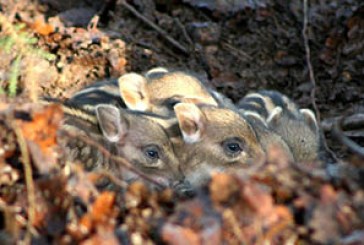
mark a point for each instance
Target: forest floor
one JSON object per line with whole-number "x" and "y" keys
{"x": 54, "y": 48}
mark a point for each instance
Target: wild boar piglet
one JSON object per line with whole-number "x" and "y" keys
{"x": 141, "y": 141}
{"x": 157, "y": 92}
{"x": 214, "y": 139}
{"x": 297, "y": 127}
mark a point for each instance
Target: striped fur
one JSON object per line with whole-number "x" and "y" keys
{"x": 103, "y": 92}
{"x": 157, "y": 91}
{"x": 208, "y": 132}
{"x": 219, "y": 122}
{"x": 297, "y": 127}
{"x": 127, "y": 134}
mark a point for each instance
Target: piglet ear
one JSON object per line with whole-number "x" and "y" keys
{"x": 309, "y": 118}
{"x": 199, "y": 100}
{"x": 112, "y": 124}
{"x": 274, "y": 116}
{"x": 133, "y": 90}
{"x": 156, "y": 72}
{"x": 255, "y": 116}
{"x": 191, "y": 121}
{"x": 221, "y": 100}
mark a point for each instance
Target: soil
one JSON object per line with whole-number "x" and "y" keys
{"x": 236, "y": 47}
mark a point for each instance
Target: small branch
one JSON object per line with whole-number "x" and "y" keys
{"x": 28, "y": 180}
{"x": 163, "y": 33}
{"x": 123, "y": 162}
{"x": 354, "y": 133}
{"x": 238, "y": 53}
{"x": 111, "y": 177}
{"x": 312, "y": 173}
{"x": 353, "y": 122}
{"x": 275, "y": 230}
{"x": 231, "y": 220}
{"x": 308, "y": 60}
{"x": 312, "y": 77}
{"x": 351, "y": 145}
{"x": 184, "y": 32}
{"x": 10, "y": 223}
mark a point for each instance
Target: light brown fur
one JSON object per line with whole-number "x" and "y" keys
{"x": 302, "y": 139}
{"x": 206, "y": 132}
{"x": 179, "y": 84}
{"x": 269, "y": 138}
{"x": 266, "y": 137}
{"x": 129, "y": 137}
{"x": 297, "y": 127}
{"x": 159, "y": 90}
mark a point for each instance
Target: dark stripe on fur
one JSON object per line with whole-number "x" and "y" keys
{"x": 277, "y": 98}
{"x": 253, "y": 108}
{"x": 98, "y": 97}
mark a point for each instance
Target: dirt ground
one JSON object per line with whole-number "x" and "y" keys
{"x": 235, "y": 47}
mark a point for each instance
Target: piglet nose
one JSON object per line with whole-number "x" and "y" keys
{"x": 183, "y": 189}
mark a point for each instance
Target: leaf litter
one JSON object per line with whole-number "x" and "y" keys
{"x": 276, "y": 202}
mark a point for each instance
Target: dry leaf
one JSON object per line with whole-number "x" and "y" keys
{"x": 41, "y": 27}
{"x": 41, "y": 136}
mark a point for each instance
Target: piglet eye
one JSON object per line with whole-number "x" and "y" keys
{"x": 151, "y": 152}
{"x": 172, "y": 103}
{"x": 232, "y": 147}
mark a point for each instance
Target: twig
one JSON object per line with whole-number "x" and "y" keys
{"x": 149, "y": 46}
{"x": 355, "y": 121}
{"x": 356, "y": 236}
{"x": 230, "y": 218}
{"x": 184, "y": 32}
{"x": 312, "y": 173}
{"x": 236, "y": 52}
{"x": 351, "y": 145}
{"x": 11, "y": 225}
{"x": 275, "y": 230}
{"x": 28, "y": 180}
{"x": 123, "y": 162}
{"x": 111, "y": 177}
{"x": 354, "y": 133}
{"x": 163, "y": 33}
{"x": 308, "y": 60}
{"x": 312, "y": 77}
